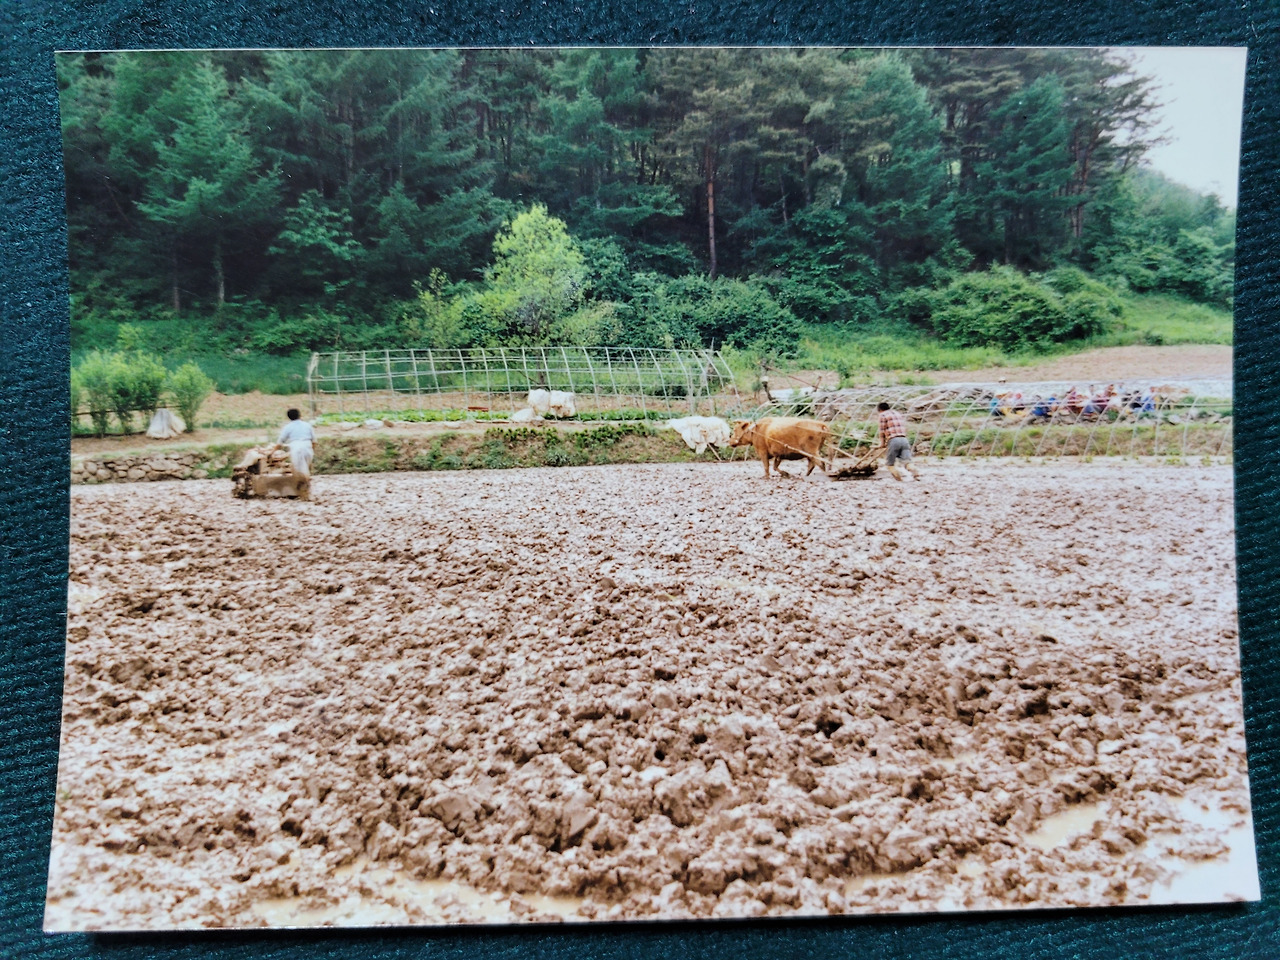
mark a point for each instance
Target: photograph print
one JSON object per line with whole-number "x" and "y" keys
{"x": 592, "y": 484}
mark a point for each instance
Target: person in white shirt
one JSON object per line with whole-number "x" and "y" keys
{"x": 298, "y": 435}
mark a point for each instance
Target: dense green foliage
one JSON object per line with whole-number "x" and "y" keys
{"x": 1001, "y": 307}
{"x": 136, "y": 383}
{"x": 1009, "y": 310}
{"x": 283, "y": 201}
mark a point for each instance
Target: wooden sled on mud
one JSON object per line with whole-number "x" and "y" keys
{"x": 264, "y": 472}
{"x": 853, "y": 468}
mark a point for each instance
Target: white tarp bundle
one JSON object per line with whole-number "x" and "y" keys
{"x": 790, "y": 393}
{"x": 701, "y": 432}
{"x": 165, "y": 425}
{"x": 558, "y": 403}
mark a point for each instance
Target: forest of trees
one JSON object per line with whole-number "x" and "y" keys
{"x": 278, "y": 201}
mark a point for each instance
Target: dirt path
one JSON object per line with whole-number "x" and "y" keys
{"x": 1189, "y": 362}
{"x": 573, "y": 693}
{"x": 109, "y": 447}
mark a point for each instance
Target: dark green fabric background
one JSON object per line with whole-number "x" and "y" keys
{"x": 33, "y": 444}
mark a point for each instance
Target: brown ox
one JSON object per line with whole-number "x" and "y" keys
{"x": 782, "y": 438}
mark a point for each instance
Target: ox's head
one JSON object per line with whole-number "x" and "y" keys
{"x": 743, "y": 433}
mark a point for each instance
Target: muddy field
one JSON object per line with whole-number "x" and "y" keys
{"x": 650, "y": 691}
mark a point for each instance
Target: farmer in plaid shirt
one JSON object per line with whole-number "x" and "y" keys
{"x": 893, "y": 436}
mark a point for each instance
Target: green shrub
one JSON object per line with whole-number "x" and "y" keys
{"x": 1199, "y": 268}
{"x": 559, "y": 456}
{"x": 190, "y": 389}
{"x": 509, "y": 435}
{"x": 493, "y": 455}
{"x": 435, "y": 317}
{"x": 318, "y": 330}
{"x": 1006, "y": 309}
{"x": 1193, "y": 264}
{"x": 737, "y": 313}
{"x": 608, "y": 434}
{"x": 77, "y": 398}
{"x": 130, "y": 338}
{"x": 1091, "y": 306}
{"x": 136, "y": 386}
{"x": 430, "y": 460}
{"x": 92, "y": 377}
{"x": 119, "y": 383}
{"x": 844, "y": 370}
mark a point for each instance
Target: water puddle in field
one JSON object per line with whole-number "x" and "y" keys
{"x": 1055, "y": 830}
{"x": 380, "y": 896}
{"x": 1229, "y": 876}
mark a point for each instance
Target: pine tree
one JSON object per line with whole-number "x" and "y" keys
{"x": 1109, "y": 111}
{"x": 593, "y": 151}
{"x": 100, "y": 211}
{"x": 714, "y": 120}
{"x": 207, "y": 184}
{"x": 906, "y": 191}
{"x": 1027, "y": 173}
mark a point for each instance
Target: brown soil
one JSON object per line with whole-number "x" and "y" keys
{"x": 260, "y": 407}
{"x": 1184, "y": 362}
{"x": 1187, "y": 362}
{"x": 746, "y": 698}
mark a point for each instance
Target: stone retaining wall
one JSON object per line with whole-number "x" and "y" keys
{"x": 155, "y": 466}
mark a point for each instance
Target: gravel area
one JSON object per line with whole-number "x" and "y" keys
{"x": 648, "y": 691}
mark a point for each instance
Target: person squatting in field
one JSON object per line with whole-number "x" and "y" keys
{"x": 893, "y": 437}
{"x": 299, "y": 436}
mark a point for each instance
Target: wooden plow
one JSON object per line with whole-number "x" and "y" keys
{"x": 854, "y": 468}
{"x": 264, "y": 472}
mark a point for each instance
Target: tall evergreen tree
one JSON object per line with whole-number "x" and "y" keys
{"x": 1109, "y": 110}
{"x": 207, "y": 183}
{"x": 1027, "y": 173}
{"x": 715, "y": 119}
{"x": 906, "y": 190}
{"x": 97, "y": 206}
